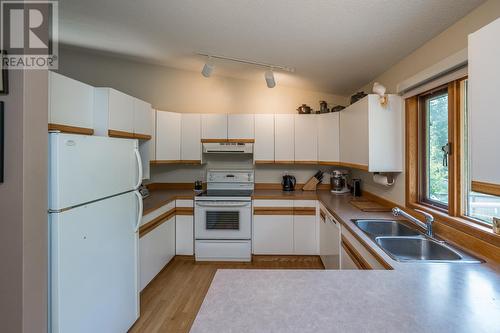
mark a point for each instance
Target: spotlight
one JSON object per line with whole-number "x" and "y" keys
{"x": 208, "y": 69}
{"x": 270, "y": 81}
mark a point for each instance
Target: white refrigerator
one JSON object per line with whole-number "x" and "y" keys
{"x": 94, "y": 216}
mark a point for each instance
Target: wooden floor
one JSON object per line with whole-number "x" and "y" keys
{"x": 172, "y": 300}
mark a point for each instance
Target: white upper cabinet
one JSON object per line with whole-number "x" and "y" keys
{"x": 371, "y": 135}
{"x": 214, "y": 126}
{"x": 306, "y": 138}
{"x": 328, "y": 138}
{"x": 264, "y": 138}
{"x": 354, "y": 135}
{"x": 168, "y": 136}
{"x": 190, "y": 137}
{"x": 483, "y": 104}
{"x": 114, "y": 111}
{"x": 284, "y": 150}
{"x": 71, "y": 102}
{"x": 143, "y": 115}
{"x": 240, "y": 126}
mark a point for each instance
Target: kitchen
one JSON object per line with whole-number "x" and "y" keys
{"x": 204, "y": 171}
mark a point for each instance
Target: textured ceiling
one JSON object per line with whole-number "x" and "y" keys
{"x": 336, "y": 46}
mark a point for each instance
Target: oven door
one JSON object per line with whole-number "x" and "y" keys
{"x": 223, "y": 219}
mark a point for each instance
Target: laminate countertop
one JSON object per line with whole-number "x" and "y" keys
{"x": 158, "y": 198}
{"x": 413, "y": 297}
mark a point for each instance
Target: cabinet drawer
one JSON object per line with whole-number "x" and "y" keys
{"x": 273, "y": 203}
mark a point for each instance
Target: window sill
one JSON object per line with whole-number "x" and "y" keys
{"x": 462, "y": 224}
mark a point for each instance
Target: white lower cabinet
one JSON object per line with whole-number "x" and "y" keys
{"x": 184, "y": 235}
{"x": 273, "y": 234}
{"x": 289, "y": 228}
{"x": 304, "y": 235}
{"x": 156, "y": 249}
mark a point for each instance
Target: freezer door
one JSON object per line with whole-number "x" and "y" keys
{"x": 94, "y": 267}
{"x": 86, "y": 168}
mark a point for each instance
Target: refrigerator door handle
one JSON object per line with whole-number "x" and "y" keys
{"x": 139, "y": 215}
{"x": 139, "y": 167}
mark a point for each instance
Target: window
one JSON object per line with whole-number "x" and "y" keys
{"x": 482, "y": 207}
{"x": 433, "y": 156}
{"x": 438, "y": 160}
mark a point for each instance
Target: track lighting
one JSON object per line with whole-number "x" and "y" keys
{"x": 208, "y": 69}
{"x": 268, "y": 75}
{"x": 270, "y": 81}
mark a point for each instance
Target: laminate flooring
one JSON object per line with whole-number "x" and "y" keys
{"x": 171, "y": 301}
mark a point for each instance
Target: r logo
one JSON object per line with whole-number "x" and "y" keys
{"x": 27, "y": 27}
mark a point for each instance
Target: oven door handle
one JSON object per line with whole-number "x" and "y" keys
{"x": 219, "y": 204}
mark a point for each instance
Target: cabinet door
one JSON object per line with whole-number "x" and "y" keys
{"x": 71, "y": 102}
{"x": 345, "y": 260}
{"x": 190, "y": 137}
{"x": 143, "y": 115}
{"x": 184, "y": 235}
{"x": 284, "y": 138}
{"x": 240, "y": 126}
{"x": 264, "y": 138}
{"x": 304, "y": 234}
{"x": 214, "y": 126}
{"x": 168, "y": 136}
{"x": 273, "y": 234}
{"x": 385, "y": 134}
{"x": 328, "y": 138}
{"x": 354, "y": 135}
{"x": 121, "y": 111}
{"x": 483, "y": 104}
{"x": 306, "y": 138}
{"x": 156, "y": 249}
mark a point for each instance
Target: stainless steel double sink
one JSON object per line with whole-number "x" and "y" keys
{"x": 406, "y": 244}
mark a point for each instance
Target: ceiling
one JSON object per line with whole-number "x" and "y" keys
{"x": 335, "y": 46}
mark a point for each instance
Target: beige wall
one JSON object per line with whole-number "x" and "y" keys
{"x": 23, "y": 205}
{"x": 447, "y": 43}
{"x": 185, "y": 91}
{"x": 11, "y": 217}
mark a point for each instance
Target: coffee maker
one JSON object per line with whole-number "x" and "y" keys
{"x": 288, "y": 183}
{"x": 338, "y": 182}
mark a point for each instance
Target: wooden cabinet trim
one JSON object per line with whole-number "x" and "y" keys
{"x": 303, "y": 211}
{"x": 284, "y": 162}
{"x": 338, "y": 163}
{"x": 227, "y": 140}
{"x": 273, "y": 211}
{"x": 310, "y": 211}
{"x": 354, "y": 166}
{"x": 264, "y": 162}
{"x": 70, "y": 129}
{"x": 142, "y": 136}
{"x": 121, "y": 134}
{"x": 306, "y": 162}
{"x": 193, "y": 162}
{"x": 186, "y": 211}
{"x": 150, "y": 226}
{"x": 486, "y": 188}
{"x": 360, "y": 262}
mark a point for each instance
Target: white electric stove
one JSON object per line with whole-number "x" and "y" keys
{"x": 223, "y": 217}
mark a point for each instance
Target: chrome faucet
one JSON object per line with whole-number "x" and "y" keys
{"x": 429, "y": 219}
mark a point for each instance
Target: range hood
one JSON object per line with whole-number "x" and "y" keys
{"x": 228, "y": 147}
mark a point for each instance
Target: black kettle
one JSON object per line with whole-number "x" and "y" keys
{"x": 288, "y": 183}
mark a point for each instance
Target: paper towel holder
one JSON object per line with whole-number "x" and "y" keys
{"x": 384, "y": 178}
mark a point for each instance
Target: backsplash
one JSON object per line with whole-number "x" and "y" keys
{"x": 263, "y": 173}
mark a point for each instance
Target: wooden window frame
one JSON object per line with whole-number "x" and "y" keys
{"x": 422, "y": 155}
{"x": 454, "y": 215}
